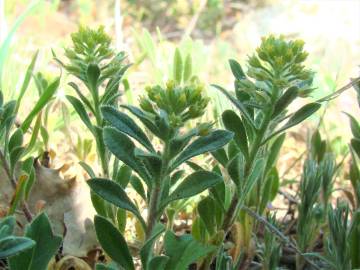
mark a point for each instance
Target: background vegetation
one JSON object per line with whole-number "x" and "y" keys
{"x": 211, "y": 32}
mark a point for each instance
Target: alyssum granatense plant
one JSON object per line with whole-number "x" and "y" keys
{"x": 93, "y": 61}
{"x": 166, "y": 112}
{"x": 275, "y": 78}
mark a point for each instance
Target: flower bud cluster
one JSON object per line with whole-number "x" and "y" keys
{"x": 181, "y": 103}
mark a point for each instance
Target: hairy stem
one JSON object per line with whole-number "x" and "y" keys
{"x": 156, "y": 192}
{"x": 153, "y": 205}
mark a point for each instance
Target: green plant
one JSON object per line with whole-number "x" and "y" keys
{"x": 166, "y": 113}
{"x": 308, "y": 223}
{"x": 337, "y": 246}
{"x": 94, "y": 63}
{"x": 34, "y": 250}
{"x": 18, "y": 166}
{"x": 11, "y": 245}
{"x": 275, "y": 77}
{"x": 272, "y": 248}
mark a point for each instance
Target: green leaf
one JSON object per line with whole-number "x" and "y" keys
{"x": 254, "y": 176}
{"x": 7, "y": 226}
{"x": 19, "y": 194}
{"x": 88, "y": 169}
{"x": 113, "y": 193}
{"x": 123, "y": 176}
{"x": 220, "y": 156}
{"x": 93, "y": 74}
{"x": 183, "y": 250}
{"x": 318, "y": 146}
{"x": 198, "y": 230}
{"x": 25, "y": 84}
{"x": 113, "y": 242}
{"x": 355, "y": 144}
{"x": 146, "y": 251}
{"x": 12, "y": 245}
{"x": 121, "y": 220}
{"x": 193, "y": 184}
{"x": 138, "y": 186}
{"x": 206, "y": 209}
{"x": 34, "y": 135}
{"x": 40, "y": 104}
{"x": 233, "y": 123}
{"x": 15, "y": 155}
{"x": 27, "y": 168}
{"x": 354, "y": 238}
{"x": 270, "y": 189}
{"x": 79, "y": 108}
{"x": 145, "y": 119}
{"x": 274, "y": 152}
{"x": 211, "y": 142}
{"x": 236, "y": 70}
{"x": 178, "y": 66}
{"x": 238, "y": 104}
{"x": 82, "y": 97}
{"x": 47, "y": 244}
{"x": 16, "y": 139}
{"x": 158, "y": 262}
{"x": 299, "y": 116}
{"x": 101, "y": 266}
{"x": 178, "y": 143}
{"x": 152, "y": 162}
{"x": 99, "y": 204}
{"x": 235, "y": 169}
{"x": 125, "y": 124}
{"x": 355, "y": 127}
{"x": 176, "y": 176}
{"x": 124, "y": 149}
{"x": 187, "y": 68}
{"x": 7, "y": 115}
{"x": 285, "y": 100}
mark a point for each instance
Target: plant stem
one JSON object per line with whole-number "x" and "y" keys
{"x": 154, "y": 201}
{"x": 156, "y": 192}
{"x": 235, "y": 202}
{"x": 25, "y": 207}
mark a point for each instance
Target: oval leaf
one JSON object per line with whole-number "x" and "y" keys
{"x": 236, "y": 70}
{"x": 125, "y": 124}
{"x": 238, "y": 104}
{"x": 355, "y": 127}
{"x": 11, "y": 245}
{"x": 113, "y": 193}
{"x": 178, "y": 66}
{"x": 208, "y": 143}
{"x": 124, "y": 149}
{"x": 299, "y": 116}
{"x": 233, "y": 123}
{"x": 79, "y": 108}
{"x": 113, "y": 242}
{"x": 285, "y": 100}
{"x": 194, "y": 184}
